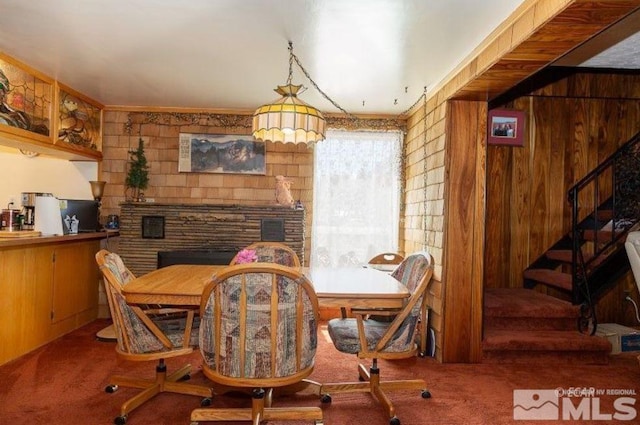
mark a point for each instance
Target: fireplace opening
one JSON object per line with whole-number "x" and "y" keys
{"x": 203, "y": 255}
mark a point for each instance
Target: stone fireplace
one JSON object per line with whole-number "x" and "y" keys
{"x": 213, "y": 232}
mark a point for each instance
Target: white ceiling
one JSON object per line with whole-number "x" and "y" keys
{"x": 231, "y": 54}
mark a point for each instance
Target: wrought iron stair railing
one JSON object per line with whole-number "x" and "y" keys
{"x": 590, "y": 257}
{"x": 605, "y": 204}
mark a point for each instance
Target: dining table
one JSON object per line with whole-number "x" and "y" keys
{"x": 351, "y": 287}
{"x": 354, "y": 287}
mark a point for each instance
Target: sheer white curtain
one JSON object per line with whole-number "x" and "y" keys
{"x": 356, "y": 197}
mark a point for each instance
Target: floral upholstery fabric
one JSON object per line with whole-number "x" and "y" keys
{"x": 411, "y": 270}
{"x": 119, "y": 270}
{"x": 141, "y": 339}
{"x": 269, "y": 254}
{"x": 344, "y": 332}
{"x": 257, "y": 345}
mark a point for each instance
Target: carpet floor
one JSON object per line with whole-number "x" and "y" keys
{"x": 63, "y": 383}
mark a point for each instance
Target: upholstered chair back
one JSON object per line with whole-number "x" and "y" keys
{"x": 415, "y": 273}
{"x": 397, "y": 336}
{"x": 258, "y": 326}
{"x": 132, "y": 334}
{"x": 273, "y": 252}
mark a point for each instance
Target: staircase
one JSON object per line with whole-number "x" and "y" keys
{"x": 590, "y": 258}
{"x": 524, "y": 325}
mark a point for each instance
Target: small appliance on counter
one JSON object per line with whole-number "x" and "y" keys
{"x": 48, "y": 221}
{"x": 10, "y": 219}
{"x": 29, "y": 208}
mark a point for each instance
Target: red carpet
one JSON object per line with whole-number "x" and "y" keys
{"x": 63, "y": 383}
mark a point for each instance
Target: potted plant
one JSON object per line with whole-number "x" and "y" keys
{"x": 138, "y": 175}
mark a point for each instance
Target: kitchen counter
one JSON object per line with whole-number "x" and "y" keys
{"x": 45, "y": 239}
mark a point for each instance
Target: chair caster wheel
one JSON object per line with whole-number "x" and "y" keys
{"x": 120, "y": 420}
{"x": 205, "y": 402}
{"x": 394, "y": 421}
{"x": 111, "y": 389}
{"x": 326, "y": 398}
{"x": 422, "y": 354}
{"x": 185, "y": 377}
{"x": 426, "y": 394}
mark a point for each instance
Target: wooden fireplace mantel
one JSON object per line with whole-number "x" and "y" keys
{"x": 192, "y": 226}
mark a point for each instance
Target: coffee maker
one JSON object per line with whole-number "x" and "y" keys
{"x": 29, "y": 208}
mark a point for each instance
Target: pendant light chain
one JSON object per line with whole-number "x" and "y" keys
{"x": 424, "y": 171}
{"x": 313, "y": 83}
{"x": 290, "y": 63}
{"x": 293, "y": 57}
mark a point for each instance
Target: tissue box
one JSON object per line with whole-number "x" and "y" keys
{"x": 623, "y": 339}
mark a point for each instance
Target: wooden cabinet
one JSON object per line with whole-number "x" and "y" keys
{"x": 41, "y": 115}
{"x": 47, "y": 291}
{"x": 75, "y": 280}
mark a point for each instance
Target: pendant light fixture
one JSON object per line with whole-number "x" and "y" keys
{"x": 288, "y": 119}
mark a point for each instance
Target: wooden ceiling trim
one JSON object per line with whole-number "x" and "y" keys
{"x": 537, "y": 36}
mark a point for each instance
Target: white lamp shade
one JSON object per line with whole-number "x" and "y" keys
{"x": 288, "y": 119}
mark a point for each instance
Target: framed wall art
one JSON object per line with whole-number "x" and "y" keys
{"x": 506, "y": 127}
{"x": 221, "y": 153}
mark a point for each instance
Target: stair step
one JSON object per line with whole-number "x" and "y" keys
{"x": 603, "y": 236}
{"x": 520, "y": 302}
{"x": 552, "y": 278}
{"x": 604, "y": 215}
{"x": 527, "y": 309}
{"x": 507, "y": 346}
{"x": 564, "y": 255}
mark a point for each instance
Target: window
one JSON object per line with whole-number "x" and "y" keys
{"x": 356, "y": 205}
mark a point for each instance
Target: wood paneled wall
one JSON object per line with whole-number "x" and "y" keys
{"x": 571, "y": 126}
{"x": 464, "y": 230}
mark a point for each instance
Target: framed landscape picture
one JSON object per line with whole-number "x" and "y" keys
{"x": 221, "y": 153}
{"x": 506, "y": 127}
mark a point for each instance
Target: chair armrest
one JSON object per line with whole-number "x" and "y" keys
{"x": 155, "y": 311}
{"x": 376, "y": 311}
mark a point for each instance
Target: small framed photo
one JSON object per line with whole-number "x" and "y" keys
{"x": 506, "y": 127}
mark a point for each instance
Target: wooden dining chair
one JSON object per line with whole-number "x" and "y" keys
{"x": 258, "y": 332}
{"x": 371, "y": 339}
{"x": 387, "y": 258}
{"x": 404, "y": 275}
{"x": 272, "y": 252}
{"x": 150, "y": 334}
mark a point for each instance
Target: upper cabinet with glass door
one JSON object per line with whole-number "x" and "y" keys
{"x": 79, "y": 121}
{"x": 40, "y": 116}
{"x": 25, "y": 102}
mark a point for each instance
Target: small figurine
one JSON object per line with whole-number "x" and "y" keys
{"x": 283, "y": 191}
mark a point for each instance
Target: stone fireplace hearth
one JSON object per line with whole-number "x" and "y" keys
{"x": 149, "y": 228}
